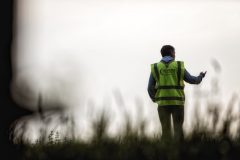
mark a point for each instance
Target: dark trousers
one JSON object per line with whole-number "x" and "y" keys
{"x": 177, "y": 113}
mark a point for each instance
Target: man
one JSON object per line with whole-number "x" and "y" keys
{"x": 166, "y": 88}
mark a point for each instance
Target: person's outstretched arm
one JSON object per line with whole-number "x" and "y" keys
{"x": 192, "y": 79}
{"x": 151, "y": 87}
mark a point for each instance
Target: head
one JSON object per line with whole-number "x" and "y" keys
{"x": 168, "y": 50}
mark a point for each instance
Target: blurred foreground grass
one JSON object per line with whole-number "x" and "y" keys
{"x": 201, "y": 145}
{"x": 133, "y": 147}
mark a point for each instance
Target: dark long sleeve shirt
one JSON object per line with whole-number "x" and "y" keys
{"x": 187, "y": 78}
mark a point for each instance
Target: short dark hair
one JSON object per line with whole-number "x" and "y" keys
{"x": 167, "y": 50}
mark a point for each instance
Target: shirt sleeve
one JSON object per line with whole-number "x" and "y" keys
{"x": 151, "y": 87}
{"x": 192, "y": 79}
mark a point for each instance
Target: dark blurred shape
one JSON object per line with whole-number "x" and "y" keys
{"x": 46, "y": 112}
{"x": 225, "y": 132}
{"x": 141, "y": 121}
{"x": 40, "y": 109}
{"x": 100, "y": 127}
{"x": 214, "y": 111}
{"x": 9, "y": 110}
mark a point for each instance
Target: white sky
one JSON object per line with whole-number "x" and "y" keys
{"x": 75, "y": 50}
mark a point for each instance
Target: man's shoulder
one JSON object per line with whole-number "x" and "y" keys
{"x": 152, "y": 64}
{"x": 181, "y": 62}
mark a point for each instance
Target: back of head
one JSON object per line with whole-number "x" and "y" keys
{"x": 167, "y": 50}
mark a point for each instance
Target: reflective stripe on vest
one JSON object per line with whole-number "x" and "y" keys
{"x": 169, "y": 83}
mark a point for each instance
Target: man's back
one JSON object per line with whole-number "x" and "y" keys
{"x": 169, "y": 83}
{"x": 187, "y": 77}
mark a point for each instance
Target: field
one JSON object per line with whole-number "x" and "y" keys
{"x": 134, "y": 145}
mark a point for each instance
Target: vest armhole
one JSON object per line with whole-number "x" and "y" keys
{"x": 183, "y": 70}
{"x": 179, "y": 69}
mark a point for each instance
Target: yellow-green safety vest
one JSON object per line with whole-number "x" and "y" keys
{"x": 169, "y": 83}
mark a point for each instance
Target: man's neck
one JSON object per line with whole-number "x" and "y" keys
{"x": 167, "y": 59}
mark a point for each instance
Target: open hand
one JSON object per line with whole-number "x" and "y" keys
{"x": 203, "y": 74}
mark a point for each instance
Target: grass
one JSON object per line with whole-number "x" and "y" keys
{"x": 134, "y": 146}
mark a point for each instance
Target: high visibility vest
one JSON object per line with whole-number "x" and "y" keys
{"x": 169, "y": 83}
